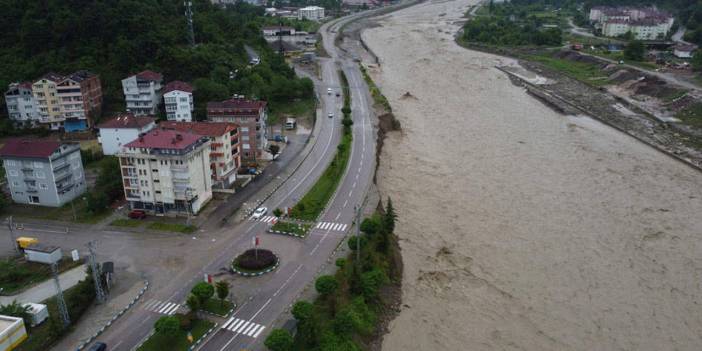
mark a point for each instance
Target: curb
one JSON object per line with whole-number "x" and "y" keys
{"x": 219, "y": 315}
{"x": 288, "y": 234}
{"x": 144, "y": 339}
{"x": 257, "y": 274}
{"x": 114, "y": 318}
{"x": 202, "y": 338}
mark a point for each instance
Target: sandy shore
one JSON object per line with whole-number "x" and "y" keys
{"x": 523, "y": 229}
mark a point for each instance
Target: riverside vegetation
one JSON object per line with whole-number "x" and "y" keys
{"x": 351, "y": 303}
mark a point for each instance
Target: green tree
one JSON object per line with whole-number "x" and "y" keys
{"x": 371, "y": 225}
{"x": 167, "y": 326}
{"x": 15, "y": 309}
{"x": 389, "y": 218}
{"x": 697, "y": 62}
{"x": 222, "y": 288}
{"x": 372, "y": 281}
{"x": 303, "y": 311}
{"x": 279, "y": 340}
{"x": 203, "y": 291}
{"x": 635, "y": 51}
{"x": 277, "y": 212}
{"x": 193, "y": 303}
{"x": 326, "y": 285}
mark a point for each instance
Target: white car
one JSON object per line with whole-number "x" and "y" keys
{"x": 260, "y": 212}
{"x": 331, "y": 115}
{"x": 329, "y": 91}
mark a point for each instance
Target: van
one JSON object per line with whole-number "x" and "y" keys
{"x": 329, "y": 91}
{"x": 24, "y": 242}
{"x": 290, "y": 123}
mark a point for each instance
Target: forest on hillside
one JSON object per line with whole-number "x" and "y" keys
{"x": 115, "y": 38}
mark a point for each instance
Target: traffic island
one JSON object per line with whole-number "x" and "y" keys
{"x": 183, "y": 335}
{"x": 298, "y": 230}
{"x": 255, "y": 262}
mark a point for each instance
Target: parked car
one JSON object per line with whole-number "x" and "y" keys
{"x": 136, "y": 214}
{"x": 338, "y": 93}
{"x": 329, "y": 91}
{"x": 331, "y": 115}
{"x": 98, "y": 346}
{"x": 260, "y": 212}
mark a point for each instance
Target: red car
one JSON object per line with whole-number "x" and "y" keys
{"x": 136, "y": 214}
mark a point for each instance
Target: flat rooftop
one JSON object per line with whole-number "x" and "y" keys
{"x": 6, "y": 322}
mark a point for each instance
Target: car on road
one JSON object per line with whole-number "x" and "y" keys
{"x": 99, "y": 346}
{"x": 260, "y": 212}
{"x": 329, "y": 91}
{"x": 136, "y": 214}
{"x": 338, "y": 93}
{"x": 331, "y": 115}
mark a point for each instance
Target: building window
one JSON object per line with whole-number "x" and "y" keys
{"x": 39, "y": 174}
{"x": 33, "y": 199}
{"x": 43, "y": 186}
{"x": 10, "y": 163}
{"x": 15, "y": 184}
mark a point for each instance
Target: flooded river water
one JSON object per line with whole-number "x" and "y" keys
{"x": 520, "y": 228}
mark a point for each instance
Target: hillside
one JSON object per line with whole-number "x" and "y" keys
{"x": 117, "y": 37}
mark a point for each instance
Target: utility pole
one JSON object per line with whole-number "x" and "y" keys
{"x": 188, "y": 198}
{"x": 10, "y": 226}
{"x": 189, "y": 19}
{"x": 99, "y": 292}
{"x": 60, "y": 302}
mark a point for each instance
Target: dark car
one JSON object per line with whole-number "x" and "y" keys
{"x": 98, "y": 346}
{"x": 136, "y": 214}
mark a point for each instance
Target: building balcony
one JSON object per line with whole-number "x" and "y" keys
{"x": 61, "y": 167}
{"x": 32, "y": 190}
{"x": 216, "y": 145}
{"x": 63, "y": 177}
{"x": 216, "y": 154}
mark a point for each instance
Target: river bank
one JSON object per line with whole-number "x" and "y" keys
{"x": 522, "y": 228}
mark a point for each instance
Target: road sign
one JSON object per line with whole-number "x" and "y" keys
{"x": 75, "y": 256}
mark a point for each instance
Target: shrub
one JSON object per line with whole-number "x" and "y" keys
{"x": 167, "y": 325}
{"x": 185, "y": 321}
{"x": 372, "y": 281}
{"x": 326, "y": 284}
{"x": 203, "y": 291}
{"x": 302, "y": 311}
{"x": 371, "y": 225}
{"x": 352, "y": 242}
{"x": 249, "y": 261}
{"x": 340, "y": 262}
{"x": 279, "y": 340}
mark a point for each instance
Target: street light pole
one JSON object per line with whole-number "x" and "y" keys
{"x": 187, "y": 203}
{"x": 10, "y": 226}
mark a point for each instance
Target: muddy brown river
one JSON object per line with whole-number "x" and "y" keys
{"x": 521, "y": 228}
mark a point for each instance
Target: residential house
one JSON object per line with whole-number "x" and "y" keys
{"x": 43, "y": 172}
{"x": 46, "y": 96}
{"x": 682, "y": 50}
{"x": 142, "y": 92}
{"x": 645, "y": 23}
{"x": 225, "y": 153}
{"x": 121, "y": 130}
{"x": 250, "y": 116}
{"x": 178, "y": 99}
{"x": 80, "y": 97}
{"x": 21, "y": 105}
{"x": 313, "y": 13}
{"x": 167, "y": 172}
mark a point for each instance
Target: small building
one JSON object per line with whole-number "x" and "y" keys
{"x": 43, "y": 172}
{"x": 21, "y": 104}
{"x": 312, "y": 13}
{"x": 178, "y": 99}
{"x": 80, "y": 97}
{"x": 142, "y": 92}
{"x": 167, "y": 172}
{"x": 250, "y": 116}
{"x": 684, "y": 50}
{"x": 39, "y": 312}
{"x": 43, "y": 253}
{"x": 273, "y": 31}
{"x": 121, "y": 130}
{"x": 225, "y": 153}
{"x": 284, "y": 47}
{"x": 12, "y": 332}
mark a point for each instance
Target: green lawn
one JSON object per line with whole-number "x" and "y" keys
{"x": 584, "y": 72}
{"x": 127, "y": 222}
{"x": 63, "y": 213}
{"x": 178, "y": 343}
{"x": 294, "y": 228}
{"x": 692, "y": 115}
{"x": 172, "y": 227}
{"x": 378, "y": 96}
{"x": 215, "y": 306}
{"x": 303, "y": 109}
{"x": 17, "y": 274}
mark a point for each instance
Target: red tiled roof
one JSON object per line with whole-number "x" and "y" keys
{"x": 165, "y": 139}
{"x": 177, "y": 85}
{"x": 149, "y": 75}
{"x": 36, "y": 148}
{"x": 212, "y": 129}
{"x": 236, "y": 104}
{"x": 127, "y": 120}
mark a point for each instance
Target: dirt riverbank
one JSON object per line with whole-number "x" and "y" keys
{"x": 522, "y": 228}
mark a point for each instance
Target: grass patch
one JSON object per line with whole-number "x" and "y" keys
{"x": 172, "y": 227}
{"x": 293, "y": 228}
{"x": 179, "y": 342}
{"x": 303, "y": 108}
{"x": 63, "y": 213}
{"x": 16, "y": 274}
{"x": 378, "y": 96}
{"x": 217, "y": 306}
{"x": 126, "y": 222}
{"x": 582, "y": 71}
{"x": 692, "y": 115}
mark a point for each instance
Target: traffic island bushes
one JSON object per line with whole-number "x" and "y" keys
{"x": 17, "y": 274}
{"x": 354, "y": 302}
{"x": 291, "y": 228}
{"x": 255, "y": 262}
{"x": 175, "y": 336}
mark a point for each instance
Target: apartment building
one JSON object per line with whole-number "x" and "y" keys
{"x": 250, "y": 116}
{"x": 43, "y": 172}
{"x": 80, "y": 98}
{"x": 313, "y": 13}
{"x": 167, "y": 172}
{"x": 645, "y": 23}
{"x": 21, "y": 105}
{"x": 142, "y": 92}
{"x": 274, "y": 31}
{"x": 121, "y": 130}
{"x": 178, "y": 99}
{"x": 225, "y": 154}
{"x": 46, "y": 96}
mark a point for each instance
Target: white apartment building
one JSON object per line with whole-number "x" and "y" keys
{"x": 645, "y": 23}
{"x": 21, "y": 105}
{"x": 178, "y": 99}
{"x": 167, "y": 172}
{"x": 313, "y": 13}
{"x": 121, "y": 130}
{"x": 142, "y": 92}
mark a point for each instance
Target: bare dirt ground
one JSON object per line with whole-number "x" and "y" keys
{"x": 520, "y": 228}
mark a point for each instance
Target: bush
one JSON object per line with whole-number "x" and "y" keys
{"x": 372, "y": 281}
{"x": 352, "y": 242}
{"x": 340, "y": 262}
{"x": 185, "y": 321}
{"x": 167, "y": 326}
{"x": 326, "y": 284}
{"x": 279, "y": 340}
{"x": 371, "y": 225}
{"x": 248, "y": 260}
{"x": 302, "y": 311}
{"x": 203, "y": 291}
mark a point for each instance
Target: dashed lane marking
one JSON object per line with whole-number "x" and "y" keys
{"x": 162, "y": 307}
{"x": 241, "y": 326}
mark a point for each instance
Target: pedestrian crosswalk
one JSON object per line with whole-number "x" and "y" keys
{"x": 339, "y": 227}
{"x": 267, "y": 219}
{"x": 168, "y": 308}
{"x": 241, "y": 326}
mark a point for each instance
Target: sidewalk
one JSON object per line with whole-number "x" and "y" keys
{"x": 45, "y": 290}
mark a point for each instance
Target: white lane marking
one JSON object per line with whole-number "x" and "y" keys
{"x": 166, "y": 308}
{"x": 326, "y": 225}
{"x": 225, "y": 325}
{"x": 350, "y": 192}
{"x": 238, "y": 330}
{"x": 246, "y": 331}
{"x": 258, "y": 332}
{"x": 252, "y": 330}
{"x": 287, "y": 281}
{"x": 150, "y": 304}
{"x": 357, "y": 174}
{"x": 337, "y": 216}
{"x": 344, "y": 227}
{"x": 236, "y": 325}
{"x": 346, "y": 202}
{"x": 319, "y": 225}
{"x": 354, "y": 185}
